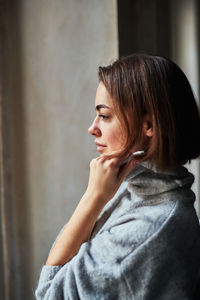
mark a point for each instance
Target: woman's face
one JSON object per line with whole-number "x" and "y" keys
{"x": 106, "y": 127}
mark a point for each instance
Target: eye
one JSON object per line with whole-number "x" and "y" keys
{"x": 103, "y": 117}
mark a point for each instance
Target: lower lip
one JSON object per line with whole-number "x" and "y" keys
{"x": 100, "y": 148}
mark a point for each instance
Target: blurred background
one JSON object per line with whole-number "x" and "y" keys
{"x": 50, "y": 51}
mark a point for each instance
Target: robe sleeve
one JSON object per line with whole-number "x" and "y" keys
{"x": 95, "y": 271}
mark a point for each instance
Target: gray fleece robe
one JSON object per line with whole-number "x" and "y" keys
{"x": 144, "y": 246}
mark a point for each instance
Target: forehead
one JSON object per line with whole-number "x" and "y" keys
{"x": 102, "y": 96}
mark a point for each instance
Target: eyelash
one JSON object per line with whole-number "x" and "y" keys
{"x": 103, "y": 117}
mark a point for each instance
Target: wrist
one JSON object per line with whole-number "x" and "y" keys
{"x": 93, "y": 200}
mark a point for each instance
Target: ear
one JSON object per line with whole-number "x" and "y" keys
{"x": 148, "y": 126}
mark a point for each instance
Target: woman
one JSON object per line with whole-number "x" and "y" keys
{"x": 135, "y": 233}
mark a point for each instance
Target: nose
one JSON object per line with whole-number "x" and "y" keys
{"x": 94, "y": 129}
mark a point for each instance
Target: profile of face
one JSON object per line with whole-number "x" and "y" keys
{"x": 106, "y": 127}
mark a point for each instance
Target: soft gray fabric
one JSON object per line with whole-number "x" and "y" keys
{"x": 145, "y": 245}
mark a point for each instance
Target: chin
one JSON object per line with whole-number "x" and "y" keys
{"x": 102, "y": 153}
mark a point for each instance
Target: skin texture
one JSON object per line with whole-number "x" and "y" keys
{"x": 106, "y": 175}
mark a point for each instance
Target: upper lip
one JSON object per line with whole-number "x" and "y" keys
{"x": 99, "y": 144}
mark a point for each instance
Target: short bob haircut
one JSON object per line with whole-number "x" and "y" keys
{"x": 141, "y": 85}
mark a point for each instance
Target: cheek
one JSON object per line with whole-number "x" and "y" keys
{"x": 115, "y": 138}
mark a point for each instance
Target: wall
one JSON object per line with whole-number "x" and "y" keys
{"x": 52, "y": 52}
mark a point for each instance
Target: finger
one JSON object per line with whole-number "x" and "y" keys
{"x": 102, "y": 159}
{"x": 113, "y": 163}
{"x": 98, "y": 158}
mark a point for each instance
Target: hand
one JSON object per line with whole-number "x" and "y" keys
{"x": 105, "y": 178}
{"x": 106, "y": 175}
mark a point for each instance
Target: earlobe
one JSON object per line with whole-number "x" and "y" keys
{"x": 149, "y": 132}
{"x": 148, "y": 128}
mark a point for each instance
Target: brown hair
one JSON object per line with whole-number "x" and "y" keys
{"x": 142, "y": 85}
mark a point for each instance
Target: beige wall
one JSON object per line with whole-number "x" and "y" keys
{"x": 52, "y": 52}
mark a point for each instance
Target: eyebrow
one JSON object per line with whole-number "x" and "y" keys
{"x": 99, "y": 106}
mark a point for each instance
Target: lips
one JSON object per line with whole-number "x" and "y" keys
{"x": 100, "y": 147}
